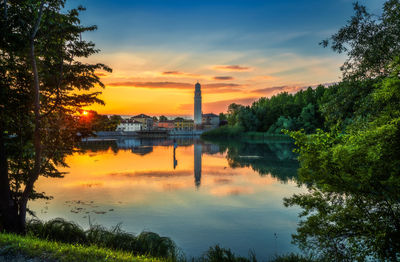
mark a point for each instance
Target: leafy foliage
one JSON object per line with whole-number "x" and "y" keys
{"x": 40, "y": 57}
{"x": 353, "y": 211}
{"x": 370, "y": 41}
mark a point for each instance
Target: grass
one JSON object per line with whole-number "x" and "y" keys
{"x": 32, "y": 247}
{"x": 146, "y": 243}
{"x": 60, "y": 240}
{"x": 12, "y": 246}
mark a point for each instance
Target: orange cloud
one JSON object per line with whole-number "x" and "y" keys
{"x": 266, "y": 77}
{"x": 223, "y": 78}
{"x": 287, "y": 88}
{"x": 174, "y": 85}
{"x": 100, "y": 74}
{"x": 172, "y": 73}
{"x": 220, "y": 106}
{"x": 151, "y": 173}
{"x": 232, "y": 68}
{"x": 179, "y": 74}
{"x": 277, "y": 89}
{"x": 212, "y": 87}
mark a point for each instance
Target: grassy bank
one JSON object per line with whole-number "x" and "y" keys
{"x": 63, "y": 241}
{"x": 234, "y": 132}
{"x": 12, "y": 246}
{"x": 145, "y": 243}
{"x": 29, "y": 248}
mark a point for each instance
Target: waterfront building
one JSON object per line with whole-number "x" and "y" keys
{"x": 129, "y": 126}
{"x": 146, "y": 120}
{"x": 211, "y": 120}
{"x": 167, "y": 124}
{"x": 197, "y": 105}
{"x": 184, "y": 124}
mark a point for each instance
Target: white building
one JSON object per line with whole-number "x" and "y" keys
{"x": 197, "y": 105}
{"x": 129, "y": 126}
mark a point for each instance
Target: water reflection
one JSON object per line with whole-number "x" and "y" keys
{"x": 226, "y": 193}
{"x": 197, "y": 164}
{"x": 275, "y": 158}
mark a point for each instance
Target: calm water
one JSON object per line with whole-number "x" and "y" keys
{"x": 198, "y": 193}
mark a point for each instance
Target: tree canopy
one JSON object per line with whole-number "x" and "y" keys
{"x": 352, "y": 168}
{"x": 44, "y": 85}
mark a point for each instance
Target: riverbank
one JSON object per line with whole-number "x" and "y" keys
{"x": 229, "y": 132}
{"x": 62, "y": 241}
{"x": 32, "y": 249}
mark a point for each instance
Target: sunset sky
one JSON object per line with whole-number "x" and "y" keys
{"x": 238, "y": 50}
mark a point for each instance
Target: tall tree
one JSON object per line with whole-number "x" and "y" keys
{"x": 352, "y": 209}
{"x": 370, "y": 41}
{"x": 44, "y": 86}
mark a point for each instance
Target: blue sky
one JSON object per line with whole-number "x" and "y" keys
{"x": 276, "y": 40}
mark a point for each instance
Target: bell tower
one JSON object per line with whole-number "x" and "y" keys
{"x": 197, "y": 105}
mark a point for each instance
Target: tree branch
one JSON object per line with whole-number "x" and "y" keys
{"x": 5, "y": 10}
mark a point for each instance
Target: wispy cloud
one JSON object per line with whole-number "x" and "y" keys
{"x": 174, "y": 85}
{"x": 211, "y": 88}
{"x": 219, "y": 106}
{"x": 172, "y": 73}
{"x": 277, "y": 89}
{"x": 179, "y": 74}
{"x": 232, "y": 68}
{"x": 100, "y": 74}
{"x": 223, "y": 78}
{"x": 288, "y": 88}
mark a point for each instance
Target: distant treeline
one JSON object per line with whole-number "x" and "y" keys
{"x": 310, "y": 109}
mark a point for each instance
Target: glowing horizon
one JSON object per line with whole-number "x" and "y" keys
{"x": 158, "y": 50}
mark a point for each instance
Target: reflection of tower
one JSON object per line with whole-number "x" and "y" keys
{"x": 197, "y": 104}
{"x": 197, "y": 164}
{"x": 175, "y": 161}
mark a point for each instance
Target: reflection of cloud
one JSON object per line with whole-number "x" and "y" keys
{"x": 85, "y": 184}
{"x": 231, "y": 68}
{"x": 173, "y": 187}
{"x": 223, "y": 78}
{"x": 151, "y": 173}
{"x": 231, "y": 191}
{"x": 223, "y": 181}
{"x": 220, "y": 106}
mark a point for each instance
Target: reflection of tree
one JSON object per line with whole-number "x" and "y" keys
{"x": 275, "y": 158}
{"x": 98, "y": 146}
{"x": 136, "y": 145}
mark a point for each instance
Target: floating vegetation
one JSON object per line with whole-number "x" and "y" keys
{"x": 85, "y": 207}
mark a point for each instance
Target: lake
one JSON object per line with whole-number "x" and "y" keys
{"x": 196, "y": 192}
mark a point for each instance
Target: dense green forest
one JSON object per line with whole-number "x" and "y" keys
{"x": 288, "y": 111}
{"x": 313, "y": 108}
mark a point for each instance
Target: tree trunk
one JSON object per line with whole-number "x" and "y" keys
{"x": 34, "y": 174}
{"x": 9, "y": 217}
